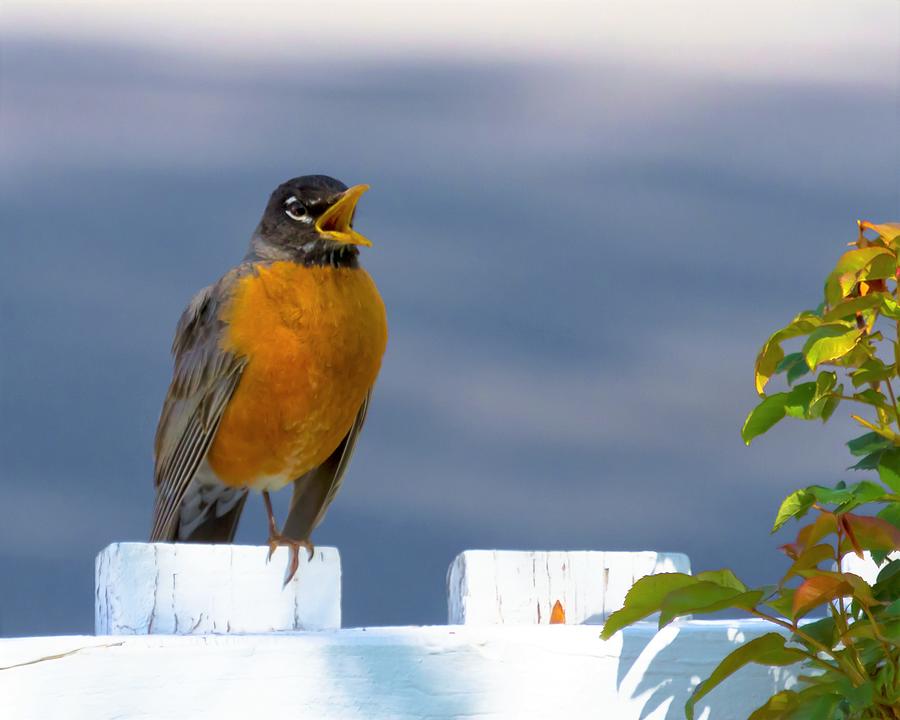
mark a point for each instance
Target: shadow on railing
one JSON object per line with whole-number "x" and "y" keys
{"x": 660, "y": 669}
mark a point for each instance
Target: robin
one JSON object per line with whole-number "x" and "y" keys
{"x": 274, "y": 369}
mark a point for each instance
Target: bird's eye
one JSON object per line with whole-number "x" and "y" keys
{"x": 294, "y": 209}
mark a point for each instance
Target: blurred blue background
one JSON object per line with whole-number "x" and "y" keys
{"x": 587, "y": 218}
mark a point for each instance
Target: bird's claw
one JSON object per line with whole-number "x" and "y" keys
{"x": 294, "y": 548}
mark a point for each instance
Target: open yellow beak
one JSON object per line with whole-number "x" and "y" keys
{"x": 335, "y": 221}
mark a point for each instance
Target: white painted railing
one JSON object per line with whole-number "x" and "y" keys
{"x": 239, "y": 652}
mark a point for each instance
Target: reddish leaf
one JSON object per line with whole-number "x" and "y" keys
{"x": 818, "y": 590}
{"x": 808, "y": 559}
{"x": 558, "y": 614}
{"x": 870, "y": 533}
{"x": 809, "y": 535}
{"x": 851, "y": 538}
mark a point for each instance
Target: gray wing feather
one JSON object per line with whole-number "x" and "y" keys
{"x": 314, "y": 491}
{"x": 204, "y": 379}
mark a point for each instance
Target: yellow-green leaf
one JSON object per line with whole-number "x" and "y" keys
{"x": 767, "y": 649}
{"x": 845, "y": 274}
{"x": 645, "y": 597}
{"x": 794, "y": 505}
{"x": 882, "y": 266}
{"x": 724, "y": 577}
{"x": 771, "y": 354}
{"x": 856, "y": 260}
{"x": 889, "y": 232}
{"x": 849, "y": 308}
{"x": 830, "y": 342}
{"x": 705, "y": 597}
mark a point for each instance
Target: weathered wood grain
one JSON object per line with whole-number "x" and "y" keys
{"x": 506, "y": 587}
{"x": 185, "y": 589}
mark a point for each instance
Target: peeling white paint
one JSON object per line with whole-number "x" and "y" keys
{"x": 186, "y": 589}
{"x": 507, "y": 587}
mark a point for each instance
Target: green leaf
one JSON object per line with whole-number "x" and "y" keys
{"x": 817, "y": 702}
{"x": 846, "y": 497}
{"x": 849, "y": 308}
{"x": 767, "y": 649}
{"x": 645, "y": 597}
{"x": 820, "y": 707}
{"x": 869, "y": 650}
{"x": 799, "y": 399}
{"x": 783, "y": 602}
{"x": 776, "y": 707}
{"x": 882, "y": 266}
{"x": 794, "y": 505}
{"x": 845, "y": 274}
{"x": 874, "y": 398}
{"x": 823, "y": 630}
{"x": 724, "y": 577}
{"x": 705, "y": 597}
{"x": 865, "y": 491}
{"x": 892, "y": 610}
{"x": 831, "y": 496}
{"x": 862, "y": 591}
{"x": 831, "y": 404}
{"x": 890, "y": 514}
{"x": 889, "y": 468}
{"x": 764, "y": 416}
{"x": 771, "y": 354}
{"x": 889, "y": 307}
{"x": 859, "y": 354}
{"x": 794, "y": 365}
{"x": 860, "y": 697}
{"x": 825, "y": 382}
{"x": 868, "y": 443}
{"x": 855, "y": 260}
{"x": 830, "y": 342}
{"x": 823, "y": 395}
{"x": 887, "y": 584}
{"x": 871, "y": 371}
{"x": 869, "y": 462}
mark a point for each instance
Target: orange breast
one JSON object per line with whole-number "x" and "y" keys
{"x": 314, "y": 337}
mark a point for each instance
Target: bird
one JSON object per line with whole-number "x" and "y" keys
{"x": 274, "y": 366}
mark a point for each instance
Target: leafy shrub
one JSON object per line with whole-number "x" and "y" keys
{"x": 850, "y": 658}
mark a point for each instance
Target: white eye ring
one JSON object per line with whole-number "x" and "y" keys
{"x": 294, "y": 209}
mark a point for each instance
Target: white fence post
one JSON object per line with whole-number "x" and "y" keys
{"x": 506, "y": 587}
{"x": 192, "y": 589}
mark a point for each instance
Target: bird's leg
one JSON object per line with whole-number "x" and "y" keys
{"x": 274, "y": 535}
{"x": 276, "y": 539}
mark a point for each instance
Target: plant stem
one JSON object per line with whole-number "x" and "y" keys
{"x": 876, "y": 631}
{"x": 840, "y": 618}
{"x": 812, "y": 642}
{"x": 893, "y": 400}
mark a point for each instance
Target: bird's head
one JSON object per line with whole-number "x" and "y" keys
{"x": 310, "y": 219}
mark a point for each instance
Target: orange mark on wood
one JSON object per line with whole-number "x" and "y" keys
{"x": 558, "y": 614}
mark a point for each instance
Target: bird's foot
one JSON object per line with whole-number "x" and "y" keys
{"x": 277, "y": 539}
